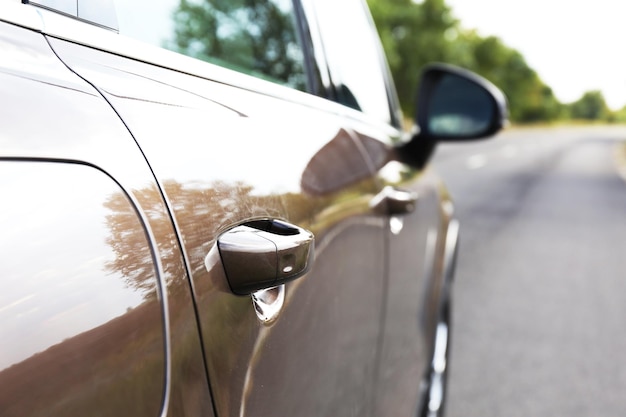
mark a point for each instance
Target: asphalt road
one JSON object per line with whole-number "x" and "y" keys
{"x": 539, "y": 320}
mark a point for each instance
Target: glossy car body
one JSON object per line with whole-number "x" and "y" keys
{"x": 126, "y": 171}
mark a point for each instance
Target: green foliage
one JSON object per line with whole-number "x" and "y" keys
{"x": 412, "y": 35}
{"x": 591, "y": 106}
{"x": 415, "y": 34}
{"x": 618, "y": 116}
{"x": 251, "y": 36}
{"x": 529, "y": 98}
{"x": 259, "y": 37}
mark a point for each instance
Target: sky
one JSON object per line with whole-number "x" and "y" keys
{"x": 575, "y": 46}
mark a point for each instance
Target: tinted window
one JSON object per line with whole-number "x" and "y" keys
{"x": 258, "y": 37}
{"x": 354, "y": 55}
{"x": 80, "y": 334}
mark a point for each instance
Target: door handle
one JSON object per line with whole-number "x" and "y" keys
{"x": 393, "y": 201}
{"x": 262, "y": 254}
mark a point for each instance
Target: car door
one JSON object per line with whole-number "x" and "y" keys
{"x": 414, "y": 203}
{"x": 228, "y": 149}
{"x": 86, "y": 321}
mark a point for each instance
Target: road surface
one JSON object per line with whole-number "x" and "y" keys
{"x": 539, "y": 320}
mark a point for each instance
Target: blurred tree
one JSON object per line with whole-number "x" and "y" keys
{"x": 529, "y": 98}
{"x": 414, "y": 34}
{"x": 591, "y": 106}
{"x": 252, "y": 36}
{"x": 618, "y": 116}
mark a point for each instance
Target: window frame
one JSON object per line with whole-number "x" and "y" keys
{"x": 100, "y": 13}
{"x": 334, "y": 81}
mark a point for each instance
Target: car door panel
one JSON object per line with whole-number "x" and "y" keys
{"x": 93, "y": 236}
{"x": 412, "y": 201}
{"x": 79, "y": 321}
{"x": 415, "y": 248}
{"x": 225, "y": 155}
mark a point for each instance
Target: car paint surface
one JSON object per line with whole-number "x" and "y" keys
{"x": 55, "y": 122}
{"x": 172, "y": 158}
{"x": 242, "y": 177}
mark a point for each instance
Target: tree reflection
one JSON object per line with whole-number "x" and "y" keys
{"x": 202, "y": 212}
{"x": 133, "y": 259}
{"x": 253, "y": 36}
{"x": 335, "y": 184}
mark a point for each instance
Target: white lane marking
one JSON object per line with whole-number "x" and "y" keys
{"x": 476, "y": 161}
{"x": 620, "y": 159}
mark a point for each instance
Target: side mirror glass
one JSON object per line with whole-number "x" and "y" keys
{"x": 456, "y": 104}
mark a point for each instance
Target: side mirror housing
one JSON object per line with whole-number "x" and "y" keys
{"x": 453, "y": 104}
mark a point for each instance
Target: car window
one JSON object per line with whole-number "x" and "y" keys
{"x": 354, "y": 57}
{"x": 81, "y": 325}
{"x": 257, "y": 37}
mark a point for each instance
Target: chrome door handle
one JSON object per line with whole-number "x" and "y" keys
{"x": 265, "y": 253}
{"x": 392, "y": 201}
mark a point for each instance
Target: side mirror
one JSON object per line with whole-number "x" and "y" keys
{"x": 456, "y": 104}
{"x": 453, "y": 104}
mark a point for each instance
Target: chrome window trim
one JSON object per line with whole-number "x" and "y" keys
{"x": 64, "y": 7}
{"x": 97, "y": 19}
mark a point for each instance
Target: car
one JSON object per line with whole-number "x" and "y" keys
{"x": 212, "y": 208}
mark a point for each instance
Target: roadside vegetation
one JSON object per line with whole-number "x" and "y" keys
{"x": 414, "y": 34}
